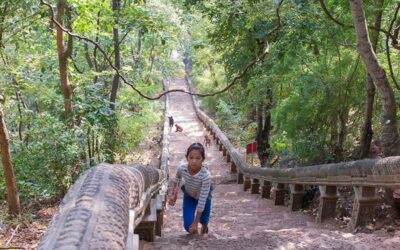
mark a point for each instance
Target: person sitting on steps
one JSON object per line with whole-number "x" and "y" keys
{"x": 178, "y": 128}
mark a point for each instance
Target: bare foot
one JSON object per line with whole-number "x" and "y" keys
{"x": 204, "y": 229}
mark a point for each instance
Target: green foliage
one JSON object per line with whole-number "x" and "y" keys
{"x": 137, "y": 116}
{"x": 43, "y": 164}
{"x": 47, "y": 154}
{"x": 313, "y": 70}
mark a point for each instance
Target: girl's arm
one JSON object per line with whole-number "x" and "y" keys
{"x": 173, "y": 192}
{"x": 195, "y": 225}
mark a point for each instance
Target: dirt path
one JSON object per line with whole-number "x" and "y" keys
{"x": 241, "y": 220}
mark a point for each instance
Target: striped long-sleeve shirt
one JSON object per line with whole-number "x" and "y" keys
{"x": 197, "y": 186}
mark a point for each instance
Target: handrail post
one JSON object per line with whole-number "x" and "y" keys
{"x": 246, "y": 183}
{"x": 255, "y": 186}
{"x": 228, "y": 157}
{"x": 240, "y": 178}
{"x": 266, "y": 190}
{"x": 279, "y": 194}
{"x": 234, "y": 169}
{"x": 296, "y": 196}
{"x": 327, "y": 202}
{"x": 132, "y": 241}
{"x": 365, "y": 201}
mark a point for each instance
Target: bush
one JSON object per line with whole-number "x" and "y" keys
{"x": 43, "y": 164}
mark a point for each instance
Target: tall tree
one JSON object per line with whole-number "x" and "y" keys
{"x": 117, "y": 56}
{"x": 263, "y": 130}
{"x": 12, "y": 192}
{"x": 63, "y": 55}
{"x": 389, "y": 135}
{"x": 367, "y": 132}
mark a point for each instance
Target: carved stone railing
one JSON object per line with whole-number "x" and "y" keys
{"x": 363, "y": 175}
{"x": 104, "y": 206}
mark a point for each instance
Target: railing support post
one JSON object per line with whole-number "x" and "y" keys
{"x": 160, "y": 213}
{"x": 266, "y": 190}
{"x": 228, "y": 157}
{"x": 327, "y": 202}
{"x": 220, "y": 146}
{"x": 233, "y": 168}
{"x": 240, "y": 178}
{"x": 296, "y": 196}
{"x": 255, "y": 186}
{"x": 246, "y": 183}
{"x": 365, "y": 201}
{"x": 279, "y": 191}
{"x": 224, "y": 151}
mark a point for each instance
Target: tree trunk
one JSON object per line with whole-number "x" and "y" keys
{"x": 117, "y": 56}
{"x": 3, "y": 13}
{"x": 88, "y": 58}
{"x": 389, "y": 135}
{"x": 367, "y": 132}
{"x": 334, "y": 135}
{"x": 139, "y": 45}
{"x": 343, "y": 117}
{"x": 213, "y": 76}
{"x": 110, "y": 133}
{"x": 12, "y": 193}
{"x": 63, "y": 54}
{"x": 262, "y": 139}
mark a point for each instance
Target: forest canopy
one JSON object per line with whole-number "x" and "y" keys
{"x": 306, "y": 80}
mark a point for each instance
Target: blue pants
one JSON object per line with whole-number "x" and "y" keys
{"x": 189, "y": 209}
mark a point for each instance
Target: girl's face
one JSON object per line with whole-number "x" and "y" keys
{"x": 195, "y": 159}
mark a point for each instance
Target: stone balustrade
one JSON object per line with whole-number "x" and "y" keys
{"x": 365, "y": 176}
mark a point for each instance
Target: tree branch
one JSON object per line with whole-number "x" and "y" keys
{"x": 388, "y": 47}
{"x": 394, "y": 39}
{"x": 259, "y": 57}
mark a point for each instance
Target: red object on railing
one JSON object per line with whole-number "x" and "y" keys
{"x": 251, "y": 148}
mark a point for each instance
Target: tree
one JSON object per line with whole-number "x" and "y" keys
{"x": 389, "y": 135}
{"x": 367, "y": 132}
{"x": 63, "y": 55}
{"x": 117, "y": 55}
{"x": 263, "y": 130}
{"x": 12, "y": 192}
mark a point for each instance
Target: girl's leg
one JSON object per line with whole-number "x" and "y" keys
{"x": 189, "y": 208}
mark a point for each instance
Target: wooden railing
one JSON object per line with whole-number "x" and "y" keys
{"x": 365, "y": 176}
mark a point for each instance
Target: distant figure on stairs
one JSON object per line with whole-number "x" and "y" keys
{"x": 178, "y": 128}
{"x": 196, "y": 190}
{"x": 171, "y": 122}
{"x": 207, "y": 140}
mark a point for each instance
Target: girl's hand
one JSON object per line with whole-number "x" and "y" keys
{"x": 172, "y": 201}
{"x": 172, "y": 198}
{"x": 193, "y": 229}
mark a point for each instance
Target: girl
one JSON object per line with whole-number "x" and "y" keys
{"x": 196, "y": 190}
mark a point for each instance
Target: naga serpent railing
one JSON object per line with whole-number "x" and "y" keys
{"x": 106, "y": 203}
{"x": 363, "y": 175}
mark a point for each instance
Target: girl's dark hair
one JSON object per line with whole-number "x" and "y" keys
{"x": 196, "y": 146}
